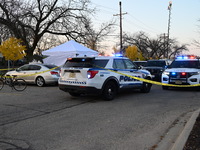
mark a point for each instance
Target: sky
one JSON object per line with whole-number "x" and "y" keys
{"x": 151, "y": 17}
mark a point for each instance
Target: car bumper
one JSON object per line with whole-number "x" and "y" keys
{"x": 182, "y": 81}
{"x": 79, "y": 89}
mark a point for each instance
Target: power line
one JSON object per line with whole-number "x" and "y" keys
{"x": 145, "y": 26}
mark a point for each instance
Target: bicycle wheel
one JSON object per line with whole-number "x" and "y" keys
{"x": 1, "y": 84}
{"x": 19, "y": 84}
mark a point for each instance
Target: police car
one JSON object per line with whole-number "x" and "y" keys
{"x": 184, "y": 70}
{"x": 101, "y": 75}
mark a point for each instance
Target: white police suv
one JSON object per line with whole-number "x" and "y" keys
{"x": 101, "y": 75}
{"x": 184, "y": 70}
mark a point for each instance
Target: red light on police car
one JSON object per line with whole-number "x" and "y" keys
{"x": 183, "y": 73}
{"x": 192, "y": 57}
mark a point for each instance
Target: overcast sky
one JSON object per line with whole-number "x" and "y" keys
{"x": 151, "y": 16}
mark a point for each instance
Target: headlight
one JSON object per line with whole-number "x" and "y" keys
{"x": 194, "y": 73}
{"x": 166, "y": 73}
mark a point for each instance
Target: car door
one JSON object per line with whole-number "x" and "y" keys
{"x": 31, "y": 73}
{"x": 132, "y": 71}
{"x": 122, "y": 72}
{"x": 21, "y": 71}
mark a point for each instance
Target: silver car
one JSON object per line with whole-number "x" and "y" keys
{"x": 39, "y": 74}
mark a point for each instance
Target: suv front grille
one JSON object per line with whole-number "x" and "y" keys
{"x": 178, "y": 75}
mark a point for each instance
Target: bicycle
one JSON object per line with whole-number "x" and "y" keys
{"x": 14, "y": 82}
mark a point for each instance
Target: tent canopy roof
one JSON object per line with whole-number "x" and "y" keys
{"x": 69, "y": 48}
{"x": 59, "y": 54}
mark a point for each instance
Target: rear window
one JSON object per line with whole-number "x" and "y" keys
{"x": 85, "y": 63}
{"x": 52, "y": 66}
{"x": 101, "y": 63}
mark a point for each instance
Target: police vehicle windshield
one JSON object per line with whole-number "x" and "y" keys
{"x": 185, "y": 64}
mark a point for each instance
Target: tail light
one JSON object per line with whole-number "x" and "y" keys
{"x": 54, "y": 73}
{"x": 91, "y": 74}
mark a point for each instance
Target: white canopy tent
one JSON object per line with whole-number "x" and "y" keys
{"x": 58, "y": 55}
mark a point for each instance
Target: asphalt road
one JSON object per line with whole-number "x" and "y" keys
{"x": 45, "y": 118}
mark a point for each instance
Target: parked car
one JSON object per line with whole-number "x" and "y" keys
{"x": 156, "y": 67}
{"x": 39, "y": 74}
{"x": 184, "y": 70}
{"x": 140, "y": 63}
{"x": 103, "y": 76}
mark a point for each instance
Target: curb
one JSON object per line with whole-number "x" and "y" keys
{"x": 182, "y": 138}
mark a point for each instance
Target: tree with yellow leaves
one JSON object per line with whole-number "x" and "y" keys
{"x": 12, "y": 49}
{"x": 133, "y": 53}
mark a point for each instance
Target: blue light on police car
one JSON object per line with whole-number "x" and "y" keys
{"x": 173, "y": 73}
{"x": 179, "y": 57}
{"x": 118, "y": 55}
{"x": 182, "y": 57}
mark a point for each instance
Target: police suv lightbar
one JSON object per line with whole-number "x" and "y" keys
{"x": 186, "y": 57}
{"x": 118, "y": 55}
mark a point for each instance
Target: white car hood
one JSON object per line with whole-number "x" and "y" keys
{"x": 11, "y": 72}
{"x": 144, "y": 71}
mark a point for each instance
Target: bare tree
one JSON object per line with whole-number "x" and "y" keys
{"x": 92, "y": 37}
{"x": 154, "y": 48}
{"x": 31, "y": 20}
{"x": 197, "y": 42}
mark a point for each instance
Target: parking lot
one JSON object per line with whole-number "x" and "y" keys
{"x": 45, "y": 118}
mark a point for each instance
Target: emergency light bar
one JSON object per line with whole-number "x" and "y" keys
{"x": 186, "y": 57}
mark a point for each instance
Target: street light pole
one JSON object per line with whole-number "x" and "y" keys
{"x": 169, "y": 21}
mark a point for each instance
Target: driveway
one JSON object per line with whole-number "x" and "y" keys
{"x": 45, "y": 118}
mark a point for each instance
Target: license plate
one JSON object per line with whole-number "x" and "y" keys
{"x": 72, "y": 75}
{"x": 178, "y": 82}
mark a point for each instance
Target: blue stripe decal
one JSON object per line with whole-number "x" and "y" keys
{"x": 133, "y": 84}
{"x": 134, "y": 70}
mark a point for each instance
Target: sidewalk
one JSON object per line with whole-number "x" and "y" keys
{"x": 186, "y": 140}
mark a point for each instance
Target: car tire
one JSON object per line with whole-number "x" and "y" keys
{"x": 165, "y": 87}
{"x": 74, "y": 94}
{"x": 146, "y": 87}
{"x": 40, "y": 81}
{"x": 109, "y": 91}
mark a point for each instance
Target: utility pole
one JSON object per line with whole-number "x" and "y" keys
{"x": 120, "y": 15}
{"x": 169, "y": 21}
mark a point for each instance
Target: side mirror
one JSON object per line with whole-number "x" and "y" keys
{"x": 168, "y": 66}
{"x": 18, "y": 69}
